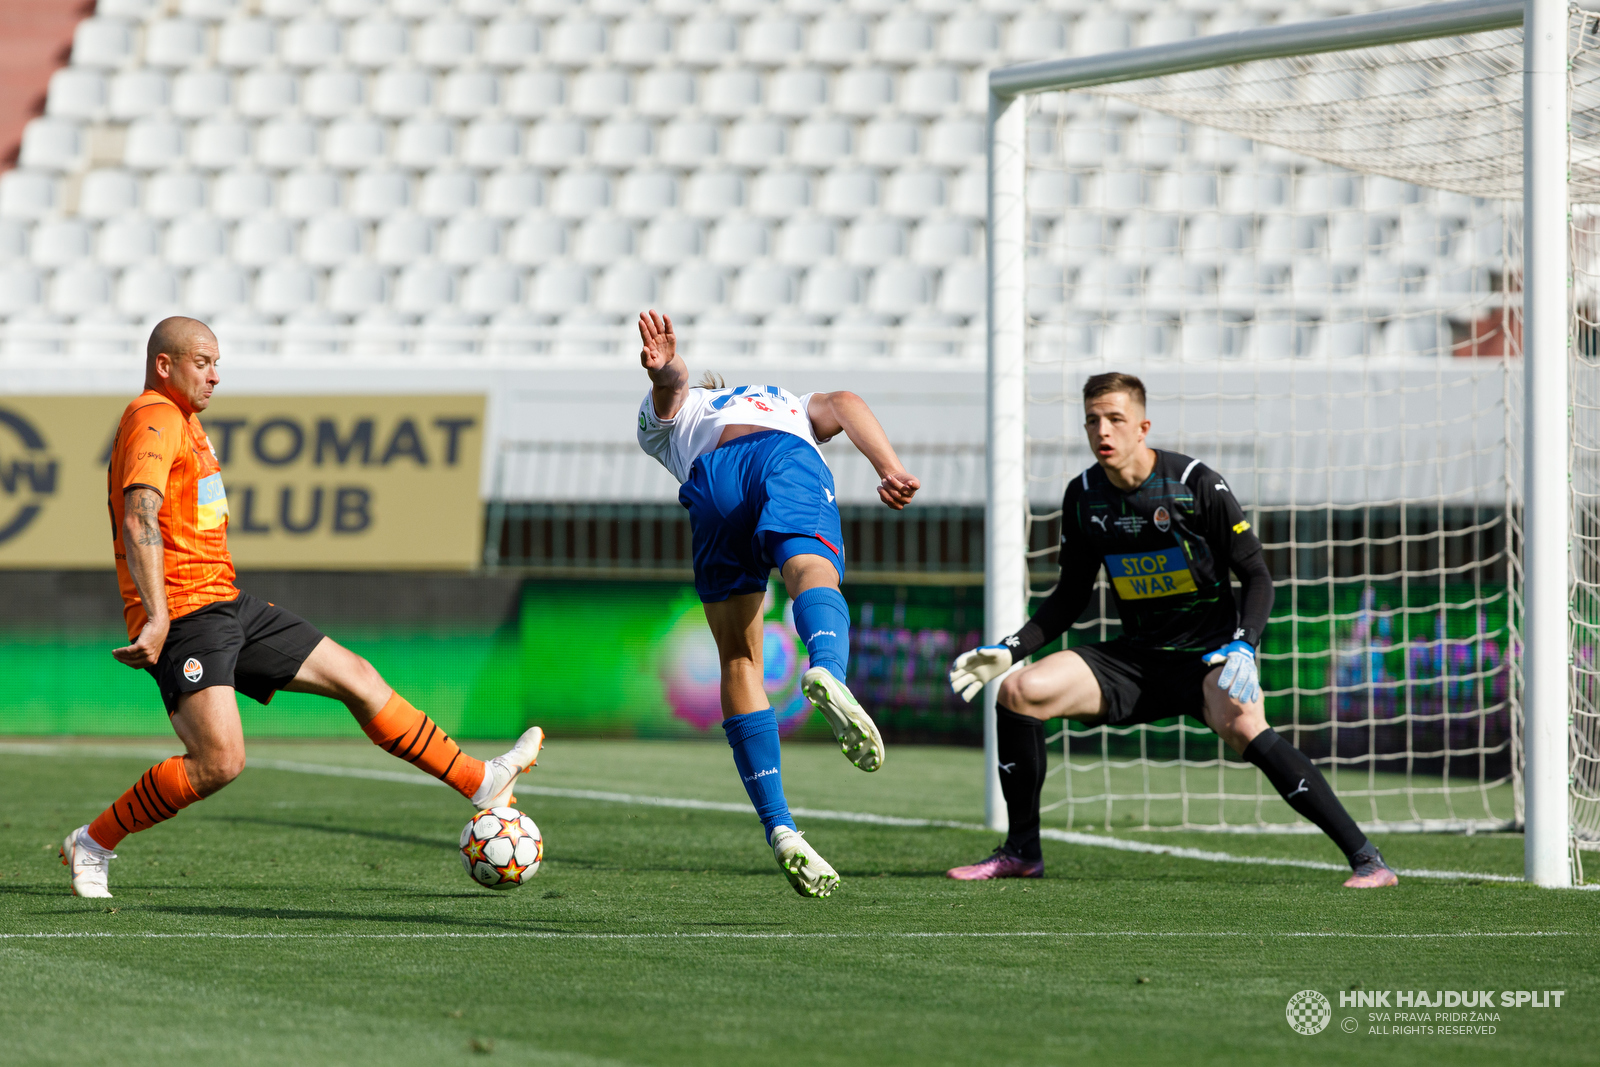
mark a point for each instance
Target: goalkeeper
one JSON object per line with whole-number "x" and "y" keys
{"x": 1167, "y": 530}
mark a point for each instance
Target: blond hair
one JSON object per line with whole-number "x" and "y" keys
{"x": 710, "y": 380}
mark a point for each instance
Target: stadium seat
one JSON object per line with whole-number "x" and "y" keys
{"x": 601, "y": 240}
{"x": 832, "y": 288}
{"x": 216, "y": 288}
{"x": 106, "y": 193}
{"x": 402, "y": 238}
{"x": 352, "y": 143}
{"x": 665, "y": 94}
{"x": 930, "y": 90}
{"x": 900, "y": 288}
{"x": 764, "y": 287}
{"x": 102, "y": 43}
{"x": 941, "y": 242}
{"x": 376, "y": 41}
{"x": 357, "y": 286}
{"x": 807, "y": 240}
{"x": 400, "y": 91}
{"x": 425, "y": 142}
{"x": 731, "y": 93}
{"x": 536, "y": 239}
{"x": 491, "y": 142}
{"x": 970, "y": 193}
{"x": 330, "y": 238}
{"x": 887, "y": 142}
{"x": 75, "y": 93}
{"x": 468, "y": 94}
{"x": 511, "y": 192}
{"x": 263, "y": 238}
{"x": 153, "y": 144}
{"x": 310, "y": 41}
{"x": 557, "y": 142}
{"x": 57, "y": 242}
{"x": 148, "y": 289}
{"x": 862, "y": 91}
{"x": 694, "y": 287}
{"x": 578, "y": 193}
{"x": 173, "y": 43}
{"x": 305, "y": 193}
{"x": 284, "y": 288}
{"x": 847, "y": 192}
{"x": 915, "y": 192}
{"x": 52, "y": 144}
{"x": 970, "y": 39}
{"x": 821, "y": 142}
{"x": 79, "y": 288}
{"x": 127, "y": 240}
{"x": 245, "y": 42}
{"x": 964, "y": 289}
{"x": 736, "y": 241}
{"x": 198, "y": 93}
{"x": 21, "y": 288}
{"x": 705, "y": 41}
{"x": 330, "y": 93}
{"x": 534, "y": 93}
{"x": 837, "y": 40}
{"x": 492, "y": 287}
{"x": 672, "y": 239}
{"x": 285, "y": 143}
{"x": 779, "y": 192}
{"x": 424, "y": 286}
{"x": 444, "y": 42}
{"x": 194, "y": 239}
{"x": 1080, "y": 236}
{"x": 14, "y": 235}
{"x": 688, "y": 143}
{"x": 1036, "y": 36}
{"x": 798, "y": 91}
{"x": 265, "y": 93}
{"x": 627, "y": 286}
{"x": 576, "y": 41}
{"x": 647, "y": 193}
{"x": 711, "y": 193}
{"x": 510, "y": 41}
{"x": 757, "y": 142}
{"x": 174, "y": 193}
{"x": 1145, "y": 238}
{"x": 904, "y": 39}
{"x": 1167, "y": 27}
{"x": 872, "y": 242}
{"x": 378, "y": 192}
{"x": 559, "y": 287}
{"x": 772, "y": 41}
{"x": 954, "y": 142}
{"x": 137, "y": 93}
{"x": 622, "y": 143}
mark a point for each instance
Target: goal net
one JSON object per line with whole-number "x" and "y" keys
{"x": 1315, "y": 264}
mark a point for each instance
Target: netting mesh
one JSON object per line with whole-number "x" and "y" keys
{"x": 1315, "y": 265}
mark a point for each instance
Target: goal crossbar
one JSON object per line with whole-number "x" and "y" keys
{"x": 1546, "y": 343}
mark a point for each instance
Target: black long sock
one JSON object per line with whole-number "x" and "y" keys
{"x": 1297, "y": 779}
{"x": 1020, "y": 740}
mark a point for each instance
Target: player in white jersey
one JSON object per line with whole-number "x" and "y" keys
{"x": 760, "y": 496}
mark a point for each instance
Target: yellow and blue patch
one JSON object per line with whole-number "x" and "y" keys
{"x": 213, "y": 500}
{"x": 1141, "y": 575}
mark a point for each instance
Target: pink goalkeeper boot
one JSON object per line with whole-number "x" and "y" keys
{"x": 1000, "y": 865}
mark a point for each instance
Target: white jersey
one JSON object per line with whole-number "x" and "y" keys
{"x": 679, "y": 441}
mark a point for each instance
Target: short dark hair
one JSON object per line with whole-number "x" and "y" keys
{"x": 1113, "y": 382}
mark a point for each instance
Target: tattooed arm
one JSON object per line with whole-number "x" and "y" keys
{"x": 141, "y": 540}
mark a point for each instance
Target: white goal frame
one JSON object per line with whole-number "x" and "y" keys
{"x": 1545, "y": 554}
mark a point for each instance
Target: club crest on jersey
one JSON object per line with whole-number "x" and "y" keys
{"x": 192, "y": 669}
{"x": 1163, "y": 519}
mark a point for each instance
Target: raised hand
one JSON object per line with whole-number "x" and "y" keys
{"x": 897, "y": 489}
{"x": 973, "y": 670}
{"x": 660, "y": 343}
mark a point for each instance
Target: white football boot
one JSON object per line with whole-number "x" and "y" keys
{"x": 854, "y": 729}
{"x": 500, "y": 773}
{"x": 808, "y": 872}
{"x": 87, "y": 862}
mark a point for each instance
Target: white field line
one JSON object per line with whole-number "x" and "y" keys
{"x": 552, "y": 935}
{"x": 1069, "y": 837}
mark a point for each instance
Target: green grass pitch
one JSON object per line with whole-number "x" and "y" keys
{"x": 326, "y": 920}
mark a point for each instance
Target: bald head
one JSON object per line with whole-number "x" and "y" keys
{"x": 181, "y": 361}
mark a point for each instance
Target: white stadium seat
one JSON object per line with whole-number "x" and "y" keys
{"x": 737, "y": 241}
{"x": 58, "y": 242}
{"x": 198, "y": 93}
{"x": 491, "y": 287}
{"x": 915, "y": 192}
{"x": 209, "y": 10}
{"x": 304, "y": 193}
{"x": 574, "y": 42}
{"x": 378, "y": 192}
{"x": 357, "y": 286}
{"x": 964, "y": 289}
{"x": 285, "y": 143}
{"x": 688, "y": 143}
{"x": 101, "y": 43}
{"x": 332, "y": 92}
{"x": 215, "y": 288}
{"x": 330, "y": 238}
{"x": 559, "y": 287}
{"x": 672, "y": 239}
{"x": 757, "y": 142}
{"x": 511, "y": 192}
{"x": 886, "y": 142}
{"x": 731, "y": 93}
{"x": 76, "y": 93}
{"x": 173, "y": 194}
{"x": 772, "y": 41}
{"x": 402, "y": 238}
{"x": 764, "y": 288}
{"x": 837, "y": 40}
{"x": 401, "y": 91}
{"x": 941, "y": 242}
{"x": 863, "y": 91}
{"x": 173, "y": 43}
{"x": 106, "y": 193}
{"x": 711, "y": 193}
{"x": 536, "y": 239}
{"x": 136, "y": 93}
{"x": 444, "y": 42}
{"x": 491, "y": 142}
{"x": 153, "y": 144}
{"x": 821, "y": 142}
{"x": 447, "y": 191}
{"x": 376, "y": 41}
{"x": 970, "y": 39}
{"x": 79, "y": 288}
{"x": 799, "y": 91}
{"x": 707, "y": 41}
{"x": 695, "y": 287}
{"x": 14, "y": 235}
{"x": 423, "y": 287}
{"x": 599, "y": 94}
{"x": 833, "y": 288}
{"x": 148, "y": 289}
{"x": 806, "y": 240}
{"x": 900, "y": 288}
{"x": 470, "y": 238}
{"x": 219, "y": 143}
{"x": 21, "y": 288}
{"x": 52, "y": 144}
{"x": 310, "y": 41}
{"x": 930, "y": 90}
{"x": 622, "y": 143}
{"x": 265, "y": 93}
{"x": 779, "y": 192}
{"x": 1100, "y": 33}
{"x": 1041, "y": 36}
{"x": 424, "y": 142}
{"x": 904, "y": 38}
{"x": 263, "y": 238}
{"x": 352, "y": 143}
{"x": 467, "y": 94}
{"x": 243, "y": 43}
{"x": 847, "y": 192}
{"x": 195, "y": 239}
{"x": 128, "y": 239}
{"x": 646, "y": 193}
{"x": 627, "y": 286}
{"x": 872, "y": 242}
{"x": 511, "y": 41}
{"x": 533, "y": 93}
{"x": 284, "y": 288}
{"x": 579, "y": 193}
{"x": 665, "y": 93}
{"x": 558, "y": 142}
{"x": 641, "y": 41}
{"x": 601, "y": 240}
{"x": 236, "y": 194}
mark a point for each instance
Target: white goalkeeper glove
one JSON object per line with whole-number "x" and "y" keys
{"x": 973, "y": 670}
{"x": 1239, "y": 676}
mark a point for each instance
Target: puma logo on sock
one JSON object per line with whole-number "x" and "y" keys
{"x": 1007, "y": 767}
{"x": 1303, "y": 789}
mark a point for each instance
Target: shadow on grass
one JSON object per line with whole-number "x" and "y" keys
{"x": 339, "y": 830}
{"x": 367, "y": 918}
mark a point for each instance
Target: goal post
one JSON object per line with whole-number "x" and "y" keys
{"x": 1487, "y": 124}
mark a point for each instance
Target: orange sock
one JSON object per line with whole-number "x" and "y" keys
{"x": 158, "y": 796}
{"x": 403, "y": 731}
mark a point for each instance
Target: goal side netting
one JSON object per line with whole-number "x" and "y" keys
{"x": 1315, "y": 265}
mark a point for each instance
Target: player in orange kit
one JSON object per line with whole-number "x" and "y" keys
{"x": 201, "y": 638}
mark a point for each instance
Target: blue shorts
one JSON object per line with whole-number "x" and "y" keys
{"x": 753, "y": 504}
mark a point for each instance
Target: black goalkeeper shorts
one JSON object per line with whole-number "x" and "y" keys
{"x": 247, "y": 643}
{"x": 1142, "y": 685}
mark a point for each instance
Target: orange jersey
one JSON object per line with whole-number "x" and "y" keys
{"x": 156, "y": 446}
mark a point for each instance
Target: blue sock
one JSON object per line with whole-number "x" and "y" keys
{"x": 754, "y": 740}
{"x": 823, "y": 621}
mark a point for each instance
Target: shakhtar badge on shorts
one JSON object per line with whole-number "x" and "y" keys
{"x": 1163, "y": 520}
{"x": 192, "y": 669}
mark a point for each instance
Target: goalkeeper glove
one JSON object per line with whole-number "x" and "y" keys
{"x": 1239, "y": 676}
{"x": 973, "y": 670}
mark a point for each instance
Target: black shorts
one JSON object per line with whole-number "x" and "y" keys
{"x": 1142, "y": 685}
{"x": 254, "y": 646}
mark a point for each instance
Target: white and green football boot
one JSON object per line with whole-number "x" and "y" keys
{"x": 853, "y": 728}
{"x": 87, "y": 862}
{"x": 500, "y": 774}
{"x": 808, "y": 872}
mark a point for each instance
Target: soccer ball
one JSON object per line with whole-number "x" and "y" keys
{"x": 501, "y": 848}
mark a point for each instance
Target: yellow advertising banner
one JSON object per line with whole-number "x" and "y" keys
{"x": 335, "y": 482}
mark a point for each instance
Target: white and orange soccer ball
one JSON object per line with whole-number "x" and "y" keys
{"x": 501, "y": 848}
